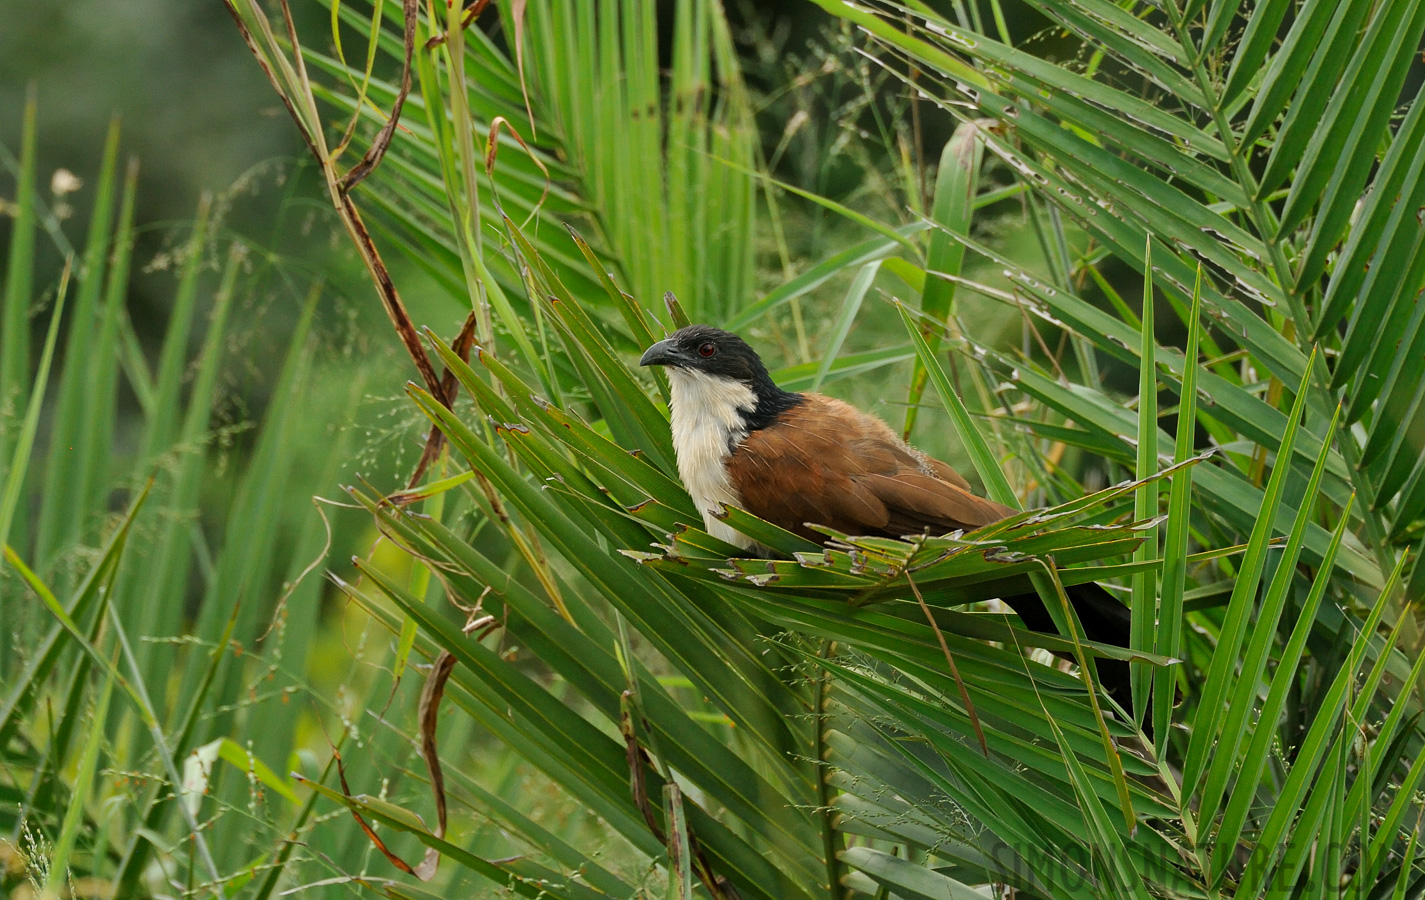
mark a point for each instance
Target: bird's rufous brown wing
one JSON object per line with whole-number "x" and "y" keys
{"x": 828, "y": 463}
{"x": 825, "y": 462}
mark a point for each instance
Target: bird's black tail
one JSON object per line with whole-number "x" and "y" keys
{"x": 1105, "y": 621}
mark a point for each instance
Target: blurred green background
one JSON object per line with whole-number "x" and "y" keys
{"x": 200, "y": 117}
{"x": 234, "y": 363}
{"x": 200, "y": 121}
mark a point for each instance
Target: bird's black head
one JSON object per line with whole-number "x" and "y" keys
{"x": 704, "y": 350}
{"x": 708, "y": 350}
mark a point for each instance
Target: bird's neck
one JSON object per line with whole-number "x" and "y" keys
{"x": 723, "y": 411}
{"x": 772, "y": 401}
{"x": 711, "y": 417}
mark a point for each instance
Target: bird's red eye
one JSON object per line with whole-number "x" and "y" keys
{"x": 707, "y": 349}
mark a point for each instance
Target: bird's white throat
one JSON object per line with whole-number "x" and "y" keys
{"x": 708, "y": 424}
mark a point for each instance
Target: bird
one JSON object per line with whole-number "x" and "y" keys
{"x": 799, "y": 459}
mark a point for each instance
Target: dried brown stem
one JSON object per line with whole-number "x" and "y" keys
{"x": 272, "y": 78}
{"x": 435, "y": 439}
{"x": 431, "y": 694}
{"x": 638, "y": 782}
{"x": 386, "y": 289}
{"x": 718, "y": 887}
{"x": 365, "y": 826}
{"x": 339, "y": 186}
{"x": 377, "y": 150}
{"x": 954, "y": 669}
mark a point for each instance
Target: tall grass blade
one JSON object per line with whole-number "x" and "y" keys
{"x": 142, "y": 844}
{"x": 1220, "y": 676}
{"x": 15, "y": 313}
{"x": 101, "y": 395}
{"x": 1254, "y": 760}
{"x": 82, "y": 788}
{"x": 63, "y": 509}
{"x": 139, "y": 694}
{"x": 1170, "y": 610}
{"x": 25, "y": 441}
{"x": 850, "y": 306}
{"x": 1145, "y": 586}
{"x": 1114, "y": 859}
{"x": 168, "y": 384}
{"x": 1254, "y": 661}
{"x": 1298, "y": 786}
{"x": 986, "y": 464}
{"x": 167, "y": 567}
{"x": 953, "y": 208}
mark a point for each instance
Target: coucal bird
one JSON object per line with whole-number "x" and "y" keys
{"x": 797, "y": 459}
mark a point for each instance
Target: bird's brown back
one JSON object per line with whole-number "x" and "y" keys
{"x": 828, "y": 463}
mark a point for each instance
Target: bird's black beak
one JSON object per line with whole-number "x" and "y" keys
{"x": 663, "y": 353}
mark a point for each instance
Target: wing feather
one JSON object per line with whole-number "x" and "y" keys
{"x": 827, "y": 463}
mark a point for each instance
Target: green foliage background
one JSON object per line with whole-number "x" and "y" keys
{"x": 935, "y": 215}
